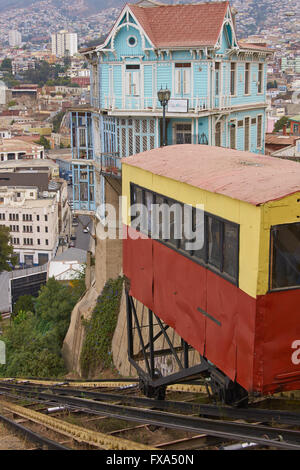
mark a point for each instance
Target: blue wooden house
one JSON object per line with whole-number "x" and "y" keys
{"x": 217, "y": 85}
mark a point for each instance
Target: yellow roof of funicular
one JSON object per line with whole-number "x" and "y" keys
{"x": 255, "y": 179}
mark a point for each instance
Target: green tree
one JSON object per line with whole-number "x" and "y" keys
{"x": 25, "y": 303}
{"x": 34, "y": 340}
{"x": 6, "y": 65}
{"x": 7, "y": 257}
{"x": 44, "y": 142}
{"x": 57, "y": 120}
{"x": 280, "y": 123}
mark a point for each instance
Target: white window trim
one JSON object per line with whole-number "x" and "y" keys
{"x": 263, "y": 78}
{"x": 262, "y": 131}
{"x": 249, "y": 147}
{"x": 249, "y": 80}
{"x": 136, "y": 41}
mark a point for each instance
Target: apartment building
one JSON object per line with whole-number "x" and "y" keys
{"x": 33, "y": 223}
{"x": 64, "y": 43}
{"x": 14, "y": 38}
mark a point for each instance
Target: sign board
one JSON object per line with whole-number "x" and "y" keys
{"x": 178, "y": 106}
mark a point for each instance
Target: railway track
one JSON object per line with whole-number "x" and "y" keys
{"x": 142, "y": 411}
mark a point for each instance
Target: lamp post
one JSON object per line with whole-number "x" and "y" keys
{"x": 163, "y": 97}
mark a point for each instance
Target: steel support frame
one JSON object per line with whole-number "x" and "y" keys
{"x": 147, "y": 352}
{"x": 152, "y": 383}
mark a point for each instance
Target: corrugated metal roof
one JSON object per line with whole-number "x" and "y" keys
{"x": 255, "y": 179}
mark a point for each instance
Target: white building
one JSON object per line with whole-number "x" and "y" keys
{"x": 14, "y": 149}
{"x": 14, "y": 38}
{"x": 3, "y": 93}
{"x": 68, "y": 265}
{"x": 64, "y": 43}
{"x": 33, "y": 223}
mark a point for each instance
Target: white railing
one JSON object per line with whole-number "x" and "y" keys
{"x": 195, "y": 104}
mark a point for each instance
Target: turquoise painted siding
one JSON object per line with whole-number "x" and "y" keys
{"x": 200, "y": 80}
{"x": 121, "y": 42}
{"x": 104, "y": 77}
{"x": 148, "y": 81}
{"x": 117, "y": 80}
{"x": 164, "y": 76}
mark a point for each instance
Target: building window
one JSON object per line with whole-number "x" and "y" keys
{"x": 259, "y": 131}
{"x": 47, "y": 242}
{"x": 132, "y": 41}
{"x": 2, "y": 216}
{"x": 182, "y": 79}
{"x": 37, "y": 218}
{"x": 232, "y": 78}
{"x": 46, "y": 218}
{"x": 46, "y": 229}
{"x": 217, "y": 78}
{"x": 247, "y": 134}
{"x": 232, "y": 135}
{"x": 132, "y": 80}
{"x": 260, "y": 78}
{"x": 247, "y": 78}
{"x": 285, "y": 256}
{"x": 218, "y": 135}
{"x": 220, "y": 247}
{"x": 183, "y": 133}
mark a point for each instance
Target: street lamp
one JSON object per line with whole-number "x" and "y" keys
{"x": 163, "y": 97}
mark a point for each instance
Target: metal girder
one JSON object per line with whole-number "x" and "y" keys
{"x": 150, "y": 377}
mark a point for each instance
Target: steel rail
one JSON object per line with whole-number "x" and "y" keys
{"x": 264, "y": 435}
{"x": 77, "y": 433}
{"x": 258, "y": 415}
{"x": 111, "y": 383}
{"x": 32, "y": 436}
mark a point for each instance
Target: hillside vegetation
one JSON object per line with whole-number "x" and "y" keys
{"x": 34, "y": 338}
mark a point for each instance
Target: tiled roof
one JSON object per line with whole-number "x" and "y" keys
{"x": 257, "y": 47}
{"x": 280, "y": 139}
{"x": 182, "y": 25}
{"x": 244, "y": 176}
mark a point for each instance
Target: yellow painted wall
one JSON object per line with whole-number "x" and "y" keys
{"x": 283, "y": 211}
{"x": 255, "y": 221}
{"x": 244, "y": 214}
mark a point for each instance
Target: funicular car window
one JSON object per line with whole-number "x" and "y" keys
{"x": 219, "y": 249}
{"x": 285, "y": 256}
{"x": 230, "y": 250}
{"x": 214, "y": 242}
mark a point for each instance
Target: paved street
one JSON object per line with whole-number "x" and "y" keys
{"x": 83, "y": 240}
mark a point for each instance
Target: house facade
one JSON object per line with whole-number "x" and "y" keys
{"x": 217, "y": 85}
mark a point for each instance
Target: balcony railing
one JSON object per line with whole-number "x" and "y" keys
{"x": 109, "y": 163}
{"x": 137, "y": 103}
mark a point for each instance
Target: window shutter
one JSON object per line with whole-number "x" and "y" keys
{"x": 136, "y": 83}
{"x": 186, "y": 81}
{"x": 178, "y": 81}
{"x": 128, "y": 83}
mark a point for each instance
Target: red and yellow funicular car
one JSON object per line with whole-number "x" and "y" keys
{"x": 237, "y": 299}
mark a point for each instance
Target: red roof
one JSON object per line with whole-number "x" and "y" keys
{"x": 255, "y": 179}
{"x": 182, "y": 25}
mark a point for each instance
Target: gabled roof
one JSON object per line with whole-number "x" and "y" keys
{"x": 197, "y": 24}
{"x": 255, "y": 179}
